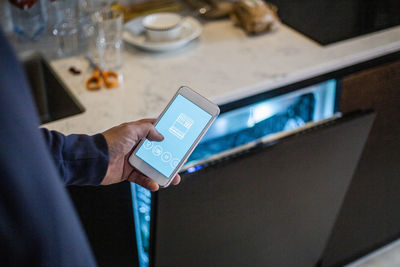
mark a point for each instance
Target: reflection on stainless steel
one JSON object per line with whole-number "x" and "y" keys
{"x": 141, "y": 200}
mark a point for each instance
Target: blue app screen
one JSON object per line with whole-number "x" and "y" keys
{"x": 180, "y": 125}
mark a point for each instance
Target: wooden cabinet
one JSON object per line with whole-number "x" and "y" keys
{"x": 370, "y": 215}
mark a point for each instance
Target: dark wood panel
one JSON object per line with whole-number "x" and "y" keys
{"x": 370, "y": 216}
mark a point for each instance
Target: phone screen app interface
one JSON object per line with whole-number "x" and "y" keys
{"x": 180, "y": 125}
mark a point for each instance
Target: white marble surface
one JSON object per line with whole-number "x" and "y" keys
{"x": 223, "y": 64}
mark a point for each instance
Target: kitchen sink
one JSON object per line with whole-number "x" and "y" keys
{"x": 52, "y": 98}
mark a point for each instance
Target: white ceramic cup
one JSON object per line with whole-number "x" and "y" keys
{"x": 161, "y": 27}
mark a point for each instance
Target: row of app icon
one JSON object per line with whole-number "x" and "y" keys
{"x": 157, "y": 151}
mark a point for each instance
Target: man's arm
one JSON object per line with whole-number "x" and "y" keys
{"x": 102, "y": 158}
{"x": 80, "y": 159}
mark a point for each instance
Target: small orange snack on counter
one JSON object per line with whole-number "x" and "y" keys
{"x": 255, "y": 16}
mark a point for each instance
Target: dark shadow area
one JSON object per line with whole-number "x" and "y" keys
{"x": 107, "y": 216}
{"x": 328, "y": 22}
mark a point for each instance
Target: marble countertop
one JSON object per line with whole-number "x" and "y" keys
{"x": 224, "y": 64}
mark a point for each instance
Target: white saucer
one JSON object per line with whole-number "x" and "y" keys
{"x": 134, "y": 34}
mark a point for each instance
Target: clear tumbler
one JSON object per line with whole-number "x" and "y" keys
{"x": 28, "y": 18}
{"x": 105, "y": 48}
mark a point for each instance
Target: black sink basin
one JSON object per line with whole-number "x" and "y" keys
{"x": 53, "y": 100}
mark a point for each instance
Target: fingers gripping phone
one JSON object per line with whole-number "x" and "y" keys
{"x": 183, "y": 123}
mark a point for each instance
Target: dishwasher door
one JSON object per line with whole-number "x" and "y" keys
{"x": 237, "y": 127}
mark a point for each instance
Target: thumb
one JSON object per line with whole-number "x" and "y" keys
{"x": 151, "y": 133}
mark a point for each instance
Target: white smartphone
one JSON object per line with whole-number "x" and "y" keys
{"x": 183, "y": 123}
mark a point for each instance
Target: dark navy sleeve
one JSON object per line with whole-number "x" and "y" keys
{"x": 38, "y": 223}
{"x": 80, "y": 159}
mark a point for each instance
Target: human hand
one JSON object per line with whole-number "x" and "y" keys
{"x": 121, "y": 141}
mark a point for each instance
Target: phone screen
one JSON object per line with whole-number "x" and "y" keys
{"x": 180, "y": 125}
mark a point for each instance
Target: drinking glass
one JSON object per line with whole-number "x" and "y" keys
{"x": 105, "y": 48}
{"x": 28, "y": 18}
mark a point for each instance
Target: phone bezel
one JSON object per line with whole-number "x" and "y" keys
{"x": 200, "y": 101}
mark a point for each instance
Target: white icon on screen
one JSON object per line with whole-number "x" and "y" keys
{"x": 157, "y": 150}
{"x": 181, "y": 126}
{"x": 147, "y": 144}
{"x": 166, "y": 156}
{"x": 174, "y": 163}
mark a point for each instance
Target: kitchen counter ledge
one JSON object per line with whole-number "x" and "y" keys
{"x": 224, "y": 64}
